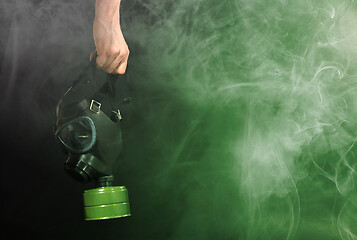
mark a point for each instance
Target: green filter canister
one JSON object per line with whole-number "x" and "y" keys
{"x": 106, "y": 203}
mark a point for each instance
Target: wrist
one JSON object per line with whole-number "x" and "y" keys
{"x": 107, "y": 10}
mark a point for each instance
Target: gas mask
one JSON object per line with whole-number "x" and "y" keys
{"x": 88, "y": 130}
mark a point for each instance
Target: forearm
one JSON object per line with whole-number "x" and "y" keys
{"x": 108, "y": 11}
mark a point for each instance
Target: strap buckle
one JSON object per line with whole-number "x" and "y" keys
{"x": 116, "y": 115}
{"x": 95, "y": 106}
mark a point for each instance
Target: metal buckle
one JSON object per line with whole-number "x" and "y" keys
{"x": 95, "y": 106}
{"x": 117, "y": 114}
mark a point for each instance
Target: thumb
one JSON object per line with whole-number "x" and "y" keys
{"x": 92, "y": 54}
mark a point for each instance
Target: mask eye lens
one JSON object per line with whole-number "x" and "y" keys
{"x": 78, "y": 135}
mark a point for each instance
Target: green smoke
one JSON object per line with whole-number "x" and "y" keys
{"x": 247, "y": 118}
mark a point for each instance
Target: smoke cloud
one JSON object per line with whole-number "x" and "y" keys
{"x": 270, "y": 89}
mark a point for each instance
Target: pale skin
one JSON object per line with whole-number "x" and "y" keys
{"x": 111, "y": 48}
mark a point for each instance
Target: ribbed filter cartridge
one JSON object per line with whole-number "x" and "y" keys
{"x": 106, "y": 203}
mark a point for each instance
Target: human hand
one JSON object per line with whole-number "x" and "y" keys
{"x": 112, "y": 50}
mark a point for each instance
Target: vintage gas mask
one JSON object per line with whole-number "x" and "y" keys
{"x": 88, "y": 130}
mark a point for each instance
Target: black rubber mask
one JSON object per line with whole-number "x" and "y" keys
{"x": 88, "y": 126}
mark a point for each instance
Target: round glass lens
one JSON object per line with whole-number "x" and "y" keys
{"x": 78, "y": 135}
